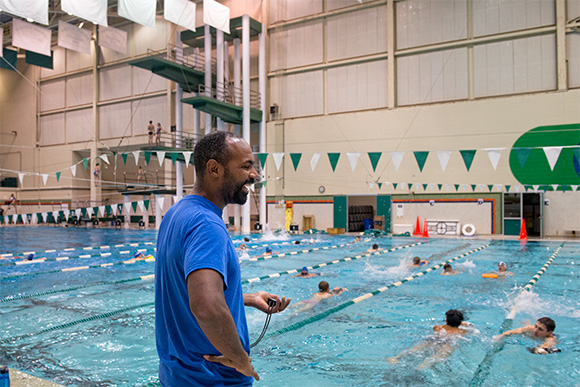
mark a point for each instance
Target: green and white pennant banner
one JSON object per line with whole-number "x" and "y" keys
{"x": 187, "y": 158}
{"x": 278, "y": 157}
{"x": 552, "y": 154}
{"x": 21, "y": 178}
{"x": 136, "y": 157}
{"x": 353, "y": 159}
{"x": 44, "y": 177}
{"x": 295, "y": 157}
{"x": 105, "y": 158}
{"x": 314, "y": 161}
{"x": 73, "y": 170}
{"x": 494, "y": 155}
{"x": 443, "y": 157}
{"x": 397, "y": 158}
{"x": 160, "y": 157}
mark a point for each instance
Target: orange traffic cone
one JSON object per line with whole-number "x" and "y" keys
{"x": 523, "y": 232}
{"x": 417, "y": 228}
{"x": 425, "y": 229}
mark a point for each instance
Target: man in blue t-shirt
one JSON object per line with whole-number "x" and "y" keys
{"x": 200, "y": 322}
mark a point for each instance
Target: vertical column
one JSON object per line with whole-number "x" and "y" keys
{"x": 237, "y": 101}
{"x": 207, "y": 81}
{"x": 196, "y": 116}
{"x": 246, "y": 104}
{"x": 219, "y": 85}
{"x": 127, "y": 210}
{"x": 561, "y": 45}
{"x": 262, "y": 85}
{"x": 145, "y": 212}
{"x": 178, "y": 122}
{"x": 470, "y": 57}
{"x": 95, "y": 191}
{"x": 391, "y": 60}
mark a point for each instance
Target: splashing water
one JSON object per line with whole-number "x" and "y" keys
{"x": 390, "y": 273}
{"x": 268, "y": 235}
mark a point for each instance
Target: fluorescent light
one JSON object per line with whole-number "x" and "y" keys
{"x": 29, "y": 20}
{"x": 81, "y": 25}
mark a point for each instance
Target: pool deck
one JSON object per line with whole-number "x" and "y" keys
{"x": 21, "y": 379}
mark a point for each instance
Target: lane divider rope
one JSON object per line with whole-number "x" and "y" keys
{"x": 256, "y": 279}
{"x": 84, "y": 256}
{"x": 366, "y": 296}
{"x": 131, "y": 244}
{"x": 483, "y": 369}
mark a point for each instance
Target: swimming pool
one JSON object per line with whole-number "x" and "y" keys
{"x": 102, "y": 332}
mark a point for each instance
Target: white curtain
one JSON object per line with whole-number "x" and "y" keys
{"x": 139, "y": 11}
{"x": 74, "y": 38}
{"x": 180, "y": 12}
{"x": 216, "y": 15}
{"x": 36, "y": 10}
{"x": 91, "y": 10}
{"x": 113, "y": 39}
{"x": 31, "y": 37}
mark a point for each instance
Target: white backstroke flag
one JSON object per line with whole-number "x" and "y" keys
{"x": 36, "y": 10}
{"x": 74, "y": 38}
{"x": 180, "y": 12}
{"x": 92, "y": 10}
{"x": 113, "y": 39}
{"x": 216, "y": 15}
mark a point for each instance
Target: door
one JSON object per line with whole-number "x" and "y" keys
{"x": 340, "y": 212}
{"x": 532, "y": 212}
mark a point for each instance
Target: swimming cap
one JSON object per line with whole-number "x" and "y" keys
{"x": 137, "y": 253}
{"x": 305, "y": 269}
{"x": 30, "y": 257}
{"x": 268, "y": 249}
{"x": 502, "y": 263}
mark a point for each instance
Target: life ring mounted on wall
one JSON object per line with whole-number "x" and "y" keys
{"x": 468, "y": 229}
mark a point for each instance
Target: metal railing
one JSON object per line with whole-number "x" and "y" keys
{"x": 227, "y": 93}
{"x": 147, "y": 181}
{"x": 187, "y": 57}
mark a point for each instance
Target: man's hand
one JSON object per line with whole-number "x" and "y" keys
{"x": 259, "y": 300}
{"x": 246, "y": 368}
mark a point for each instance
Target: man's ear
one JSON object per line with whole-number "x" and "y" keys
{"x": 213, "y": 168}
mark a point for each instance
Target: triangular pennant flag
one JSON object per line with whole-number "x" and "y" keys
{"x": 397, "y": 158}
{"x": 522, "y": 155}
{"x": 160, "y": 201}
{"x": 146, "y": 204}
{"x": 494, "y": 155}
{"x": 173, "y": 156}
{"x": 136, "y": 156}
{"x": 464, "y": 187}
{"x": 564, "y": 187}
{"x": 403, "y": 186}
{"x": 21, "y": 177}
{"x": 576, "y": 154}
{"x": 481, "y": 187}
{"x": 507, "y": 187}
{"x": 333, "y": 158}
{"x": 473, "y": 187}
{"x": 134, "y": 205}
{"x": 187, "y": 158}
{"x": 468, "y": 156}
{"x": 85, "y": 162}
{"x": 160, "y": 157}
{"x": 108, "y": 210}
{"x": 424, "y": 187}
{"x": 57, "y": 176}
{"x": 23, "y": 217}
{"x": 447, "y": 187}
{"x": 147, "y": 157}
{"x": 96, "y": 211}
{"x": 175, "y": 199}
{"x": 78, "y": 212}
{"x": 262, "y": 158}
{"x": 90, "y": 212}
{"x": 421, "y": 157}
{"x": 545, "y": 188}
{"x": 84, "y": 212}
{"x": 371, "y": 184}
{"x": 55, "y": 216}
{"x": 536, "y": 187}
{"x": 395, "y": 185}
{"x": 114, "y": 210}
{"x": 44, "y": 178}
{"x": 66, "y": 215}
{"x": 10, "y": 218}
{"x": 102, "y": 211}
{"x": 278, "y": 159}
{"x": 295, "y": 159}
{"x": 431, "y": 186}
{"x": 552, "y": 154}
{"x": 374, "y": 157}
{"x": 353, "y": 159}
{"x": 555, "y": 186}
{"x": 264, "y": 183}
{"x": 517, "y": 188}
{"x": 314, "y": 160}
{"x": 443, "y": 157}
{"x": 44, "y": 217}
{"x": 141, "y": 205}
{"x": 124, "y": 156}
{"x": 120, "y": 208}
{"x": 380, "y": 185}
{"x": 73, "y": 170}
{"x": 439, "y": 186}
{"x": 490, "y": 187}
{"x": 456, "y": 187}
{"x": 574, "y": 187}
{"x": 105, "y": 158}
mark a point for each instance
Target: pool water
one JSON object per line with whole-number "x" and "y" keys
{"x": 74, "y": 337}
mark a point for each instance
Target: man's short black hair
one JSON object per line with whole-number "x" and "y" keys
{"x": 446, "y": 266}
{"x": 454, "y": 317}
{"x": 211, "y": 146}
{"x": 549, "y": 323}
{"x": 375, "y": 246}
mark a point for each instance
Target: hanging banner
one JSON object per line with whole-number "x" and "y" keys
{"x": 92, "y": 10}
{"x": 187, "y": 158}
{"x": 113, "y": 39}
{"x": 397, "y": 158}
{"x": 278, "y": 159}
{"x": 180, "y": 12}
{"x": 353, "y": 159}
{"x": 105, "y": 158}
{"x": 494, "y": 155}
{"x": 314, "y": 160}
{"x": 74, "y": 38}
{"x": 295, "y": 159}
{"x": 21, "y": 178}
{"x": 44, "y": 178}
{"x": 27, "y": 9}
{"x": 552, "y": 154}
{"x": 160, "y": 157}
{"x": 136, "y": 156}
{"x": 374, "y": 157}
{"x": 421, "y": 158}
{"x": 160, "y": 202}
{"x": 216, "y": 15}
{"x": 139, "y": 11}
{"x": 73, "y": 170}
{"x": 31, "y": 37}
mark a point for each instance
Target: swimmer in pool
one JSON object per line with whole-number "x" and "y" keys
{"x": 448, "y": 270}
{"x": 268, "y": 252}
{"x": 418, "y": 262}
{"x": 442, "y": 343}
{"x": 356, "y": 239}
{"x": 304, "y": 273}
{"x": 28, "y": 257}
{"x": 502, "y": 269}
{"x": 543, "y": 330}
{"x": 242, "y": 247}
{"x": 323, "y": 293}
{"x": 139, "y": 256}
{"x": 374, "y": 248}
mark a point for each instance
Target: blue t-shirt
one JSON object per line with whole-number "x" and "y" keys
{"x": 193, "y": 236}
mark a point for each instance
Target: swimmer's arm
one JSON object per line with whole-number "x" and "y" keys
{"x": 549, "y": 343}
{"x": 518, "y": 331}
{"x": 336, "y": 291}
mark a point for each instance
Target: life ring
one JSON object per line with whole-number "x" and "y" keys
{"x": 468, "y": 229}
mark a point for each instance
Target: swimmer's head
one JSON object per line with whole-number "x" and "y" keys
{"x": 357, "y": 238}
{"x": 137, "y": 254}
{"x": 544, "y": 327}
{"x": 246, "y": 239}
{"x": 30, "y": 257}
{"x": 502, "y": 266}
{"x": 454, "y": 317}
{"x": 447, "y": 267}
{"x": 243, "y": 246}
{"x": 268, "y": 249}
{"x": 323, "y": 286}
{"x": 304, "y": 270}
{"x": 416, "y": 260}
{"x": 375, "y": 246}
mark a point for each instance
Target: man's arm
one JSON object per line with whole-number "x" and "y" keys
{"x": 259, "y": 300}
{"x": 518, "y": 331}
{"x": 209, "y": 307}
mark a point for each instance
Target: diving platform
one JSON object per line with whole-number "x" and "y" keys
{"x": 196, "y": 38}
{"x": 228, "y": 112}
